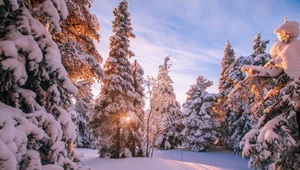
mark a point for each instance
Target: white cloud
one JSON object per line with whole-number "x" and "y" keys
{"x": 193, "y": 32}
{"x": 153, "y": 43}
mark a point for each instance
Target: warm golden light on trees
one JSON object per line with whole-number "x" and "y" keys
{"x": 76, "y": 42}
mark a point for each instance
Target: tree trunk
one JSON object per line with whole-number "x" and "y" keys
{"x": 148, "y": 129}
{"x": 118, "y": 142}
{"x": 152, "y": 149}
{"x": 116, "y": 153}
{"x": 298, "y": 121}
{"x": 133, "y": 146}
{"x": 147, "y": 142}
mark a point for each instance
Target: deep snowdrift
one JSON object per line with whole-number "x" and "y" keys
{"x": 178, "y": 159}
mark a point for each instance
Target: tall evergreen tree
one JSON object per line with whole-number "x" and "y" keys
{"x": 113, "y": 108}
{"x": 135, "y": 135}
{"x": 167, "y": 117}
{"x": 200, "y": 125}
{"x": 225, "y": 86}
{"x": 227, "y": 60}
{"x": 241, "y": 98}
{"x": 36, "y": 130}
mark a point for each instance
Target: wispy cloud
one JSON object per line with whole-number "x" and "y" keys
{"x": 193, "y": 32}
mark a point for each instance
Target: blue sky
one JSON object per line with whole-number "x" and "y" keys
{"x": 194, "y": 33}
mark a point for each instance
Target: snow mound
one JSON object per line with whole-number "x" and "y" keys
{"x": 147, "y": 164}
{"x": 168, "y": 160}
{"x": 287, "y": 57}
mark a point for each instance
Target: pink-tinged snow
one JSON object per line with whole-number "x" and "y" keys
{"x": 178, "y": 159}
{"x": 285, "y": 56}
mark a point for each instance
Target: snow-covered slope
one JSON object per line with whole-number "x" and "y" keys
{"x": 179, "y": 159}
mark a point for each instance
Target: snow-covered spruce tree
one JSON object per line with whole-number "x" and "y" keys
{"x": 241, "y": 101}
{"x": 241, "y": 97}
{"x": 166, "y": 119}
{"x": 36, "y": 131}
{"x": 273, "y": 137}
{"x": 170, "y": 136}
{"x": 114, "y": 109}
{"x": 83, "y": 109}
{"x": 258, "y": 58}
{"x": 227, "y": 60}
{"x": 135, "y": 134}
{"x": 275, "y": 130}
{"x": 200, "y": 126}
{"x": 81, "y": 60}
{"x": 259, "y": 46}
{"x": 225, "y": 86}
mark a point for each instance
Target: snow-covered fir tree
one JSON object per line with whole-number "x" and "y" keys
{"x": 200, "y": 125}
{"x": 36, "y": 131}
{"x": 83, "y": 110}
{"x": 240, "y": 119}
{"x": 225, "y": 86}
{"x": 81, "y": 60}
{"x": 258, "y": 58}
{"x": 166, "y": 119}
{"x": 275, "y": 130}
{"x": 227, "y": 60}
{"x": 272, "y": 140}
{"x": 241, "y": 98}
{"x": 114, "y": 109}
{"x": 259, "y": 46}
{"x": 135, "y": 134}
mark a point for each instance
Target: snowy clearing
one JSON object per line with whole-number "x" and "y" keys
{"x": 178, "y": 159}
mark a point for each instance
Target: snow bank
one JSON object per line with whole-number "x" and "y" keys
{"x": 147, "y": 164}
{"x": 151, "y": 164}
{"x": 169, "y": 160}
{"x": 52, "y": 167}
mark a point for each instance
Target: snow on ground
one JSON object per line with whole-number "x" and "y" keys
{"x": 178, "y": 159}
{"x": 220, "y": 158}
